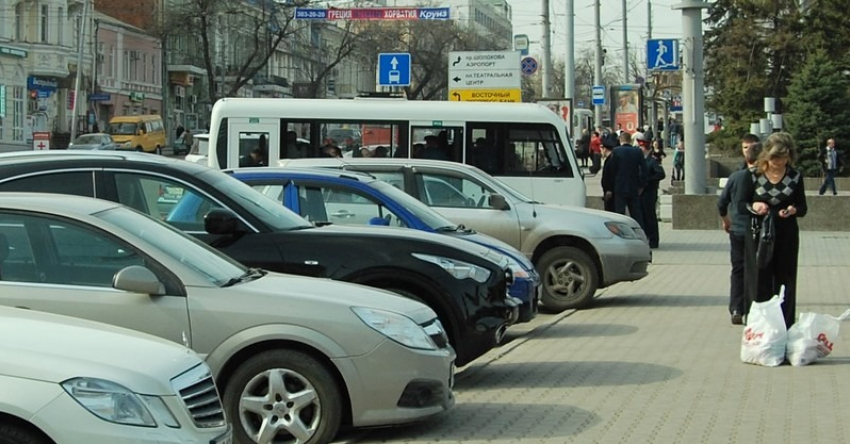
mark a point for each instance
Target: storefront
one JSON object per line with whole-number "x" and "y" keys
{"x": 14, "y": 134}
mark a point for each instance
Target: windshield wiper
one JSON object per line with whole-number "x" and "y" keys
{"x": 249, "y": 275}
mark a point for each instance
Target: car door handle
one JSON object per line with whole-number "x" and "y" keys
{"x": 343, "y": 213}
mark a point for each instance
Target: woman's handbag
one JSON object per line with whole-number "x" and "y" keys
{"x": 764, "y": 235}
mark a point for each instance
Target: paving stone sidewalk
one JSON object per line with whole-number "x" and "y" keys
{"x": 655, "y": 361}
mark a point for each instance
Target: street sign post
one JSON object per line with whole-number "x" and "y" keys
{"x": 394, "y": 69}
{"x": 662, "y": 54}
{"x": 521, "y": 44}
{"x": 492, "y": 76}
{"x": 598, "y": 95}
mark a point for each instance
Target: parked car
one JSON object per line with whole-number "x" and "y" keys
{"x": 179, "y": 148}
{"x": 576, "y": 250}
{"x": 345, "y": 198}
{"x": 295, "y": 361}
{"x": 69, "y": 381}
{"x": 93, "y": 141}
{"x": 200, "y": 149}
{"x": 465, "y": 283}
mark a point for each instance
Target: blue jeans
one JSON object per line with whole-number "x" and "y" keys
{"x": 828, "y": 182}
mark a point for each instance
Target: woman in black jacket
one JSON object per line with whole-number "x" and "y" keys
{"x": 774, "y": 187}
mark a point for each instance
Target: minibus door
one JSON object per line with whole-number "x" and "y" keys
{"x": 252, "y": 141}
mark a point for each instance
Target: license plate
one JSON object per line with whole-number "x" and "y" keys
{"x": 226, "y": 438}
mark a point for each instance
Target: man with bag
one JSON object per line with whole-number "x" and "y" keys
{"x": 736, "y": 223}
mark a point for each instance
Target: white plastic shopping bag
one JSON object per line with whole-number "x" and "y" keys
{"x": 765, "y": 335}
{"x": 812, "y": 337}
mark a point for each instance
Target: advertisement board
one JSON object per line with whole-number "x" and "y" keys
{"x": 626, "y": 104}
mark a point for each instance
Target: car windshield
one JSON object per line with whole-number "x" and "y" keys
{"x": 207, "y": 261}
{"x": 271, "y": 212}
{"x": 88, "y": 139}
{"x": 122, "y": 129}
{"x": 423, "y": 212}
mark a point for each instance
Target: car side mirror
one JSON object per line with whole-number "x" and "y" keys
{"x": 498, "y": 202}
{"x": 221, "y": 221}
{"x": 138, "y": 279}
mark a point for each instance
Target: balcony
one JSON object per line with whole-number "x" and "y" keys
{"x": 272, "y": 84}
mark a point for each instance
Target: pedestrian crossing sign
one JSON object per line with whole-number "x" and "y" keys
{"x": 662, "y": 54}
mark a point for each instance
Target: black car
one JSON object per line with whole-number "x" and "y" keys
{"x": 465, "y": 283}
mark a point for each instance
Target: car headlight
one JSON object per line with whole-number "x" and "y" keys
{"x": 458, "y": 269}
{"x": 109, "y": 401}
{"x": 396, "y": 327}
{"x": 518, "y": 270}
{"x": 621, "y": 229}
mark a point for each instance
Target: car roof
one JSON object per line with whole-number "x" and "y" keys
{"x": 97, "y": 158}
{"x": 54, "y": 203}
{"x": 315, "y": 173}
{"x": 354, "y": 161}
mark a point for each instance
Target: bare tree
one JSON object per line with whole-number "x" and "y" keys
{"x": 232, "y": 39}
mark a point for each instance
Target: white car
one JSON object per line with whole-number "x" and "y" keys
{"x": 70, "y": 381}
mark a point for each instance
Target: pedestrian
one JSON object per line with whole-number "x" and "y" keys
{"x": 607, "y": 179}
{"x": 831, "y": 163}
{"x": 188, "y": 140}
{"x": 629, "y": 171}
{"x": 595, "y": 152}
{"x": 583, "y": 148}
{"x": 774, "y": 192}
{"x": 649, "y": 196}
{"x": 658, "y": 151}
{"x": 678, "y": 162}
{"x": 736, "y": 224}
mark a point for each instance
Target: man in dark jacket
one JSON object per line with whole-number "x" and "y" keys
{"x": 736, "y": 224}
{"x": 649, "y": 197}
{"x": 629, "y": 170}
{"x": 607, "y": 179}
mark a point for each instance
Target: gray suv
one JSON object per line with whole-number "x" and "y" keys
{"x": 576, "y": 250}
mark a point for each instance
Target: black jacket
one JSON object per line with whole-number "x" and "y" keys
{"x": 629, "y": 168}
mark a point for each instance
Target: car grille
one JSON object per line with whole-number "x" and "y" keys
{"x": 437, "y": 333}
{"x": 197, "y": 390}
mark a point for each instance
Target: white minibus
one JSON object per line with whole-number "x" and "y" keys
{"x": 525, "y": 145}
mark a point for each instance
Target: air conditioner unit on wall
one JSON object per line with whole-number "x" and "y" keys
{"x": 193, "y": 98}
{"x": 179, "y": 91}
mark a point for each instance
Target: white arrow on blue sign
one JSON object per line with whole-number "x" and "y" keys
{"x": 598, "y": 95}
{"x": 394, "y": 69}
{"x": 662, "y": 54}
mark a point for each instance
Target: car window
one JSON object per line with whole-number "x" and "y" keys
{"x": 68, "y": 253}
{"x": 343, "y": 206}
{"x": 448, "y": 191}
{"x": 78, "y": 183}
{"x": 165, "y": 200}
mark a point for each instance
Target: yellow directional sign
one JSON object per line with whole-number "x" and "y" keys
{"x": 485, "y": 95}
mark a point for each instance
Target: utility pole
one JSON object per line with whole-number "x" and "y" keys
{"x": 546, "y": 42}
{"x": 569, "y": 57}
{"x": 653, "y": 113}
{"x": 597, "y": 70}
{"x": 165, "y": 82}
{"x": 80, "y": 46}
{"x": 625, "y": 42}
{"x": 693, "y": 95}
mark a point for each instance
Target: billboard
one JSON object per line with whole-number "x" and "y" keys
{"x": 626, "y": 104}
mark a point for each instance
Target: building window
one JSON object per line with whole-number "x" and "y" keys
{"x": 126, "y": 74}
{"x": 45, "y": 23}
{"x": 154, "y": 72}
{"x": 144, "y": 76}
{"x": 18, "y": 116}
{"x": 60, "y": 28}
{"x": 19, "y": 22}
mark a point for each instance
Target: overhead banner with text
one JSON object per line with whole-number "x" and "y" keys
{"x": 373, "y": 14}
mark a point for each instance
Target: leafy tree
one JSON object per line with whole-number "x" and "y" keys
{"x": 817, "y": 108}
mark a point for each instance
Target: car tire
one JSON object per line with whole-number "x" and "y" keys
{"x": 11, "y": 434}
{"x": 158, "y": 150}
{"x": 140, "y": 149}
{"x": 314, "y": 415}
{"x": 569, "y": 279}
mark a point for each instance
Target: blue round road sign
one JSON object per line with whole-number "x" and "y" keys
{"x": 529, "y": 66}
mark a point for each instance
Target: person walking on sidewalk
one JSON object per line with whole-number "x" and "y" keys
{"x": 678, "y": 162}
{"x": 774, "y": 187}
{"x": 607, "y": 179}
{"x": 629, "y": 170}
{"x": 736, "y": 223}
{"x": 830, "y": 163}
{"x": 649, "y": 197}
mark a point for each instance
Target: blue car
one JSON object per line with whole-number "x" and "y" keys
{"x": 343, "y": 197}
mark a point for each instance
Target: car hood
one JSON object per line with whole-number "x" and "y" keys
{"x": 491, "y": 242}
{"x": 86, "y": 146}
{"x": 304, "y": 294}
{"x": 572, "y": 217}
{"x": 55, "y": 348}
{"x": 472, "y": 248}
